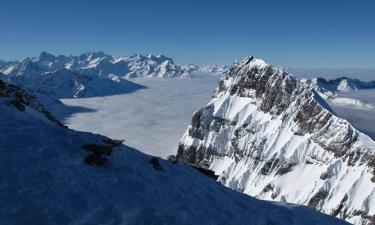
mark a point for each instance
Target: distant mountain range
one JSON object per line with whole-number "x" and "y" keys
{"x": 92, "y": 73}
{"x": 342, "y": 84}
{"x": 108, "y": 66}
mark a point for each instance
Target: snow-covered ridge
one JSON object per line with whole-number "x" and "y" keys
{"x": 274, "y": 137}
{"x": 44, "y": 180}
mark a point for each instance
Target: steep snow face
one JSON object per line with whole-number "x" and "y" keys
{"x": 44, "y": 180}
{"x": 272, "y": 136}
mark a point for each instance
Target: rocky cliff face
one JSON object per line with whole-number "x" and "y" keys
{"x": 272, "y": 136}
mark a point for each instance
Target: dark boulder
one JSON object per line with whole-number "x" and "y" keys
{"x": 95, "y": 159}
{"x": 206, "y": 172}
{"x": 18, "y": 104}
{"x": 156, "y": 164}
{"x": 103, "y": 149}
{"x": 113, "y": 142}
{"x": 173, "y": 159}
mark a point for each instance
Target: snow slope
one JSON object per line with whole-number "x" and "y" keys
{"x": 272, "y": 136}
{"x": 43, "y": 180}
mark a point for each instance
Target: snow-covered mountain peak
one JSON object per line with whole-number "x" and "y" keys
{"x": 250, "y": 62}
{"x": 264, "y": 130}
{"x": 44, "y": 56}
{"x": 88, "y": 56}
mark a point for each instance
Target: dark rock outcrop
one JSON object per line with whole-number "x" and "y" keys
{"x": 19, "y": 99}
{"x": 156, "y": 164}
{"x": 98, "y": 153}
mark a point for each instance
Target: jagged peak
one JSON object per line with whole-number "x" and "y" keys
{"x": 44, "y": 56}
{"x": 251, "y": 61}
{"x": 92, "y": 55}
{"x": 276, "y": 92}
{"x": 150, "y": 56}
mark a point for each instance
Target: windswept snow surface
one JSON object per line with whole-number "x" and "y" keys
{"x": 44, "y": 180}
{"x": 151, "y": 119}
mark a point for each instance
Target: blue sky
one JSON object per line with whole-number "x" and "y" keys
{"x": 305, "y": 34}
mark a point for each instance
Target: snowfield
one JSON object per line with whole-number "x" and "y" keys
{"x": 151, "y": 119}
